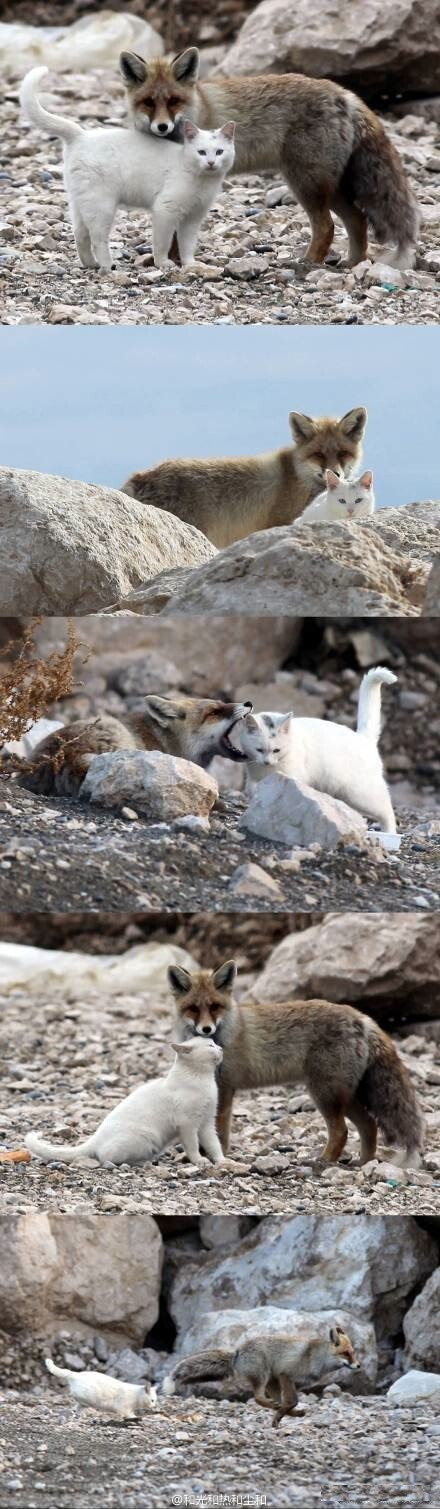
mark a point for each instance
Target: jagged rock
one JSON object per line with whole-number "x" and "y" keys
{"x": 422, "y": 1326}
{"x": 367, "y": 1265}
{"x": 415, "y": 1388}
{"x": 71, "y": 547}
{"x": 413, "y": 529}
{"x": 251, "y": 880}
{"x": 161, "y": 786}
{"x": 394, "y": 48}
{"x": 432, "y": 595}
{"x": 375, "y": 961}
{"x": 103, "y": 1271}
{"x": 290, "y": 812}
{"x": 306, "y": 570}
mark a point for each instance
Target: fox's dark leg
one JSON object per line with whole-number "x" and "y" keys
{"x": 289, "y": 1399}
{"x": 367, "y": 1128}
{"x": 316, "y": 203}
{"x": 267, "y": 1394}
{"x": 224, "y": 1116}
{"x": 332, "y": 1111}
{"x": 356, "y": 225}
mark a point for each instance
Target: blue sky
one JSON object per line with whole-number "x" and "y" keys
{"x": 99, "y": 402}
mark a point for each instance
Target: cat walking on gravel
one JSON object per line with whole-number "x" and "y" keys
{"x": 180, "y": 1107}
{"x": 109, "y": 167}
{"x": 99, "y": 1391}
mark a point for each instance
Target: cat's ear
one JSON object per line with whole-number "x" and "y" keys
{"x": 301, "y": 426}
{"x": 285, "y": 725}
{"x": 366, "y": 481}
{"x": 332, "y": 480}
{"x": 354, "y": 423}
{"x": 228, "y": 130}
{"x": 183, "y": 1048}
{"x": 190, "y": 131}
{"x": 161, "y": 710}
{"x": 133, "y": 68}
{"x": 179, "y": 980}
{"x": 223, "y": 978}
{"x": 185, "y": 66}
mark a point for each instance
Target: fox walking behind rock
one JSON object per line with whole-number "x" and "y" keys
{"x": 333, "y": 151}
{"x": 194, "y": 728}
{"x": 270, "y": 1367}
{"x": 98, "y": 1391}
{"x": 348, "y": 1064}
{"x": 228, "y": 498}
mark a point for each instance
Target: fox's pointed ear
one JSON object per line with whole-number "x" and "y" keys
{"x": 366, "y": 480}
{"x": 179, "y": 979}
{"x": 332, "y": 480}
{"x": 161, "y": 710}
{"x": 228, "y": 130}
{"x": 185, "y": 66}
{"x": 335, "y": 1333}
{"x": 223, "y": 978}
{"x": 301, "y": 426}
{"x": 133, "y": 68}
{"x": 354, "y": 423}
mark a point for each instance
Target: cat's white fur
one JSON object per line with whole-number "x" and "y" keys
{"x": 340, "y": 761}
{"x": 343, "y": 499}
{"x": 108, "y": 167}
{"x": 99, "y": 1391}
{"x": 181, "y": 1107}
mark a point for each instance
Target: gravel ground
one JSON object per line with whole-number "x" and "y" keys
{"x": 120, "y": 864}
{"x": 343, "y": 1452}
{"x": 253, "y": 238}
{"x": 66, "y": 1065}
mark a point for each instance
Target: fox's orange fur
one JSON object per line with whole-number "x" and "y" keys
{"x": 333, "y": 151}
{"x": 349, "y": 1065}
{"x": 270, "y": 1367}
{"x": 229, "y": 498}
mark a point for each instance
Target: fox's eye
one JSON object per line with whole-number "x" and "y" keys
{"x": 148, "y": 104}
{"x": 172, "y": 104}
{"x": 201, "y": 151}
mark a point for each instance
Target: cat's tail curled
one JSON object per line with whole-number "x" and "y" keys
{"x": 65, "y": 1152}
{"x": 368, "y": 721}
{"x": 60, "y": 1372}
{"x": 56, "y": 125}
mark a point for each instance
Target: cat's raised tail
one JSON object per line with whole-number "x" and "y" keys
{"x": 60, "y": 1372}
{"x": 368, "y": 721}
{"x": 56, "y": 125}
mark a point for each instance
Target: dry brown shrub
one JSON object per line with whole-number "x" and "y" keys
{"x": 28, "y": 685}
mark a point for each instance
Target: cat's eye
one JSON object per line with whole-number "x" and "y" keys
{"x": 219, "y": 152}
{"x": 277, "y": 751}
{"x": 201, "y": 151}
{"x": 356, "y": 501}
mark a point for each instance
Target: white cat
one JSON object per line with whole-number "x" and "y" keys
{"x": 340, "y": 761}
{"x": 99, "y": 1391}
{"x": 181, "y": 1107}
{"x": 108, "y": 167}
{"x": 342, "y": 499}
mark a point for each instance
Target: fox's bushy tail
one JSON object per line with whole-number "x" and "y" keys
{"x": 56, "y": 125}
{"x": 376, "y": 182}
{"x": 387, "y": 1091}
{"x": 211, "y": 1364}
{"x": 368, "y": 719}
{"x": 65, "y": 1152}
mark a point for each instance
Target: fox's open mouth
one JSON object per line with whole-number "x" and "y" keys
{"x": 228, "y": 749}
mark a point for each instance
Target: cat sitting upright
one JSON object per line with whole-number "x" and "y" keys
{"x": 343, "y": 499}
{"x": 108, "y": 167}
{"x": 340, "y": 761}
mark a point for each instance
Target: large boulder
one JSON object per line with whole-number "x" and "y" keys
{"x": 71, "y": 547}
{"x": 415, "y": 1388}
{"x": 367, "y": 1265}
{"x": 101, "y": 1271}
{"x": 160, "y": 786}
{"x": 290, "y": 812}
{"x": 392, "y": 48}
{"x": 413, "y": 529}
{"x": 229, "y": 1327}
{"x": 40, "y": 972}
{"x": 302, "y": 569}
{"x": 381, "y": 961}
{"x": 92, "y": 42}
{"x": 422, "y": 1326}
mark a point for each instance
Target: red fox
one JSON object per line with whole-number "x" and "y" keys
{"x": 193, "y": 728}
{"x": 271, "y": 1366}
{"x": 333, "y": 151}
{"x": 229, "y": 498}
{"x": 349, "y": 1065}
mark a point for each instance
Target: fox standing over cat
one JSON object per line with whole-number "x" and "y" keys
{"x": 350, "y": 1067}
{"x": 271, "y": 1367}
{"x": 230, "y": 497}
{"x": 333, "y": 151}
